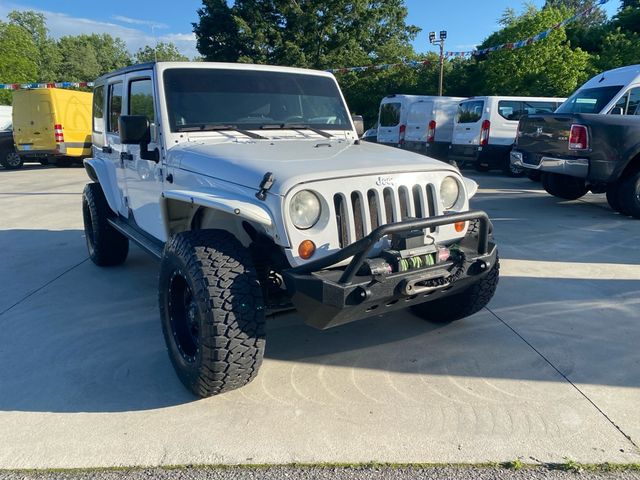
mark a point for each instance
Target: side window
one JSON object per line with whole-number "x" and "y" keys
{"x": 141, "y": 99}
{"x": 98, "y": 109}
{"x": 115, "y": 106}
{"x": 510, "y": 109}
{"x": 531, "y": 108}
{"x": 633, "y": 107}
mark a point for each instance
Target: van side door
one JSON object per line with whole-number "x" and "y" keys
{"x": 144, "y": 177}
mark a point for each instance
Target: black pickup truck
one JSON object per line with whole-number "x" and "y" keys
{"x": 579, "y": 152}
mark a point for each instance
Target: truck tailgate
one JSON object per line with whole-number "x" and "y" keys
{"x": 545, "y": 134}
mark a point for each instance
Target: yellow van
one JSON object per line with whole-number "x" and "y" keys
{"x": 52, "y": 124}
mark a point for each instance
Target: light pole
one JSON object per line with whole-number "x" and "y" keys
{"x": 433, "y": 41}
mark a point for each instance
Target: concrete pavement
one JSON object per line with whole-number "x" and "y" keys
{"x": 548, "y": 372}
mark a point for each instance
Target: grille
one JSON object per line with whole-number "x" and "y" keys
{"x": 358, "y": 213}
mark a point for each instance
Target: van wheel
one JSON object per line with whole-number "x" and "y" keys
{"x": 564, "y": 186}
{"x": 481, "y": 168}
{"x": 463, "y": 304}
{"x": 107, "y": 246}
{"x": 10, "y": 160}
{"x": 212, "y": 311}
{"x": 629, "y": 196}
{"x": 513, "y": 171}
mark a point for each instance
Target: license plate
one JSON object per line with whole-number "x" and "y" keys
{"x": 25, "y": 147}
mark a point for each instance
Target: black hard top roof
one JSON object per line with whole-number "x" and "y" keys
{"x": 129, "y": 69}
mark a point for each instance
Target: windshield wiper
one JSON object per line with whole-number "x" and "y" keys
{"x": 204, "y": 127}
{"x": 295, "y": 126}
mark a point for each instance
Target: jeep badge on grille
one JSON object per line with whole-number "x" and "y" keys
{"x": 385, "y": 182}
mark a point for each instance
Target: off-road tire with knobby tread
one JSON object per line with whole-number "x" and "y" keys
{"x": 629, "y": 195}
{"x": 10, "y": 159}
{"x": 564, "y": 186}
{"x": 229, "y": 307}
{"x": 107, "y": 246}
{"x": 464, "y": 304}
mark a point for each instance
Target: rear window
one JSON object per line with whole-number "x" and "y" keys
{"x": 470, "y": 112}
{"x": 390, "y": 114}
{"x": 510, "y": 109}
{"x": 589, "y": 100}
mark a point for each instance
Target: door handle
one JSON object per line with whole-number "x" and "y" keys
{"x": 126, "y": 156}
{"x": 107, "y": 149}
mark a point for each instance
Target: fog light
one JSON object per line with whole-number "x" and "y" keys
{"x": 460, "y": 226}
{"x": 306, "y": 249}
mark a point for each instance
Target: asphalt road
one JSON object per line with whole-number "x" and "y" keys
{"x": 549, "y": 372}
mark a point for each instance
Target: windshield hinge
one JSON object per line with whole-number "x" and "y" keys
{"x": 267, "y": 182}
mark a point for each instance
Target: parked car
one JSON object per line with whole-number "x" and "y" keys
{"x": 9, "y": 158}
{"x": 392, "y": 118}
{"x": 485, "y": 128}
{"x": 250, "y": 184}
{"x": 371, "y": 135}
{"x": 430, "y": 126}
{"x": 592, "y": 142}
{"x": 52, "y": 125}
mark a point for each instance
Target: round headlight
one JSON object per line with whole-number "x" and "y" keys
{"x": 449, "y": 192}
{"x": 304, "y": 209}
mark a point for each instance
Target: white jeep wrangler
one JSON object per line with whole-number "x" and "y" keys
{"x": 250, "y": 185}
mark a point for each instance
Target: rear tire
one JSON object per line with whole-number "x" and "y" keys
{"x": 107, "y": 246}
{"x": 613, "y": 197}
{"x": 10, "y": 159}
{"x": 463, "y": 304}
{"x": 564, "y": 186}
{"x": 212, "y": 311}
{"x": 629, "y": 196}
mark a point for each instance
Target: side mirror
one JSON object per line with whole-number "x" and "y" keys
{"x": 134, "y": 129}
{"x": 617, "y": 111}
{"x": 358, "y": 122}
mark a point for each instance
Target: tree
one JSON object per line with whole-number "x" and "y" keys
{"x": 86, "y": 57}
{"x": 548, "y": 67}
{"x": 162, "y": 52}
{"x": 596, "y": 17}
{"x": 46, "y": 59}
{"x": 17, "y": 62}
{"x": 306, "y": 33}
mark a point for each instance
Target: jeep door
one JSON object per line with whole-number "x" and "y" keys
{"x": 144, "y": 178}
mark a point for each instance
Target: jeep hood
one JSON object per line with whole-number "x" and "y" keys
{"x": 296, "y": 161}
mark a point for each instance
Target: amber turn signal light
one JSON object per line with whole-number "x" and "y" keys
{"x": 306, "y": 249}
{"x": 460, "y": 226}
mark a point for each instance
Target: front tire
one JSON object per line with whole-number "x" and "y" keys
{"x": 463, "y": 304}
{"x": 564, "y": 186}
{"x": 10, "y": 159}
{"x": 212, "y": 311}
{"x": 107, "y": 246}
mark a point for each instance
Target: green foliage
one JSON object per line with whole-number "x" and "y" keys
{"x": 162, "y": 52}
{"x": 305, "y": 33}
{"x": 549, "y": 67}
{"x": 17, "y": 62}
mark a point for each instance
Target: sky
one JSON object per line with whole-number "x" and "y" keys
{"x": 467, "y": 22}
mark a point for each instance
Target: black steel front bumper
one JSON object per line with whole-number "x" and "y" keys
{"x": 327, "y": 297}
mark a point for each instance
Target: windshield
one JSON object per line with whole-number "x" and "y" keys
{"x": 589, "y": 100}
{"x": 252, "y": 99}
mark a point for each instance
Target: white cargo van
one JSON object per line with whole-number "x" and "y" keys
{"x": 392, "y": 119}
{"x": 5, "y": 117}
{"x": 485, "y": 129}
{"x": 430, "y": 125}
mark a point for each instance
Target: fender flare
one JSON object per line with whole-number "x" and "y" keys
{"x": 104, "y": 173}
{"x": 232, "y": 204}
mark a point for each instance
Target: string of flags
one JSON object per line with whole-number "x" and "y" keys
{"x": 484, "y": 51}
{"x": 26, "y": 86}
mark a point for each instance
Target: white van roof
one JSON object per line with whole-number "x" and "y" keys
{"x": 617, "y": 76}
{"x": 487, "y": 97}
